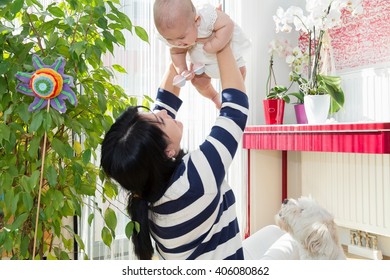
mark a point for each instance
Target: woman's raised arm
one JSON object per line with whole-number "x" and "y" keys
{"x": 231, "y": 76}
{"x": 167, "y": 81}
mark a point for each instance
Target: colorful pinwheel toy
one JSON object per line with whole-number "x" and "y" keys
{"x": 47, "y": 84}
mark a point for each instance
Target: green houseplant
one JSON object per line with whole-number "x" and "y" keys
{"x": 274, "y": 90}
{"x": 275, "y": 98}
{"x": 82, "y": 32}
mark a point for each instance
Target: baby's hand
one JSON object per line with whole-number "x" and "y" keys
{"x": 213, "y": 46}
{"x": 189, "y": 75}
{"x": 222, "y": 33}
{"x": 186, "y": 75}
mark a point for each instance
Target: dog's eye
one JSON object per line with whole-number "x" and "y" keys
{"x": 302, "y": 210}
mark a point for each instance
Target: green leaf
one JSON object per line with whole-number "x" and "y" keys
{"x": 100, "y": 45}
{"x": 68, "y": 209}
{"x": 22, "y": 111}
{"x": 36, "y": 121}
{"x": 4, "y": 2}
{"x": 124, "y": 19}
{"x": 109, "y": 37}
{"x": 59, "y": 147}
{"x": 86, "y": 156}
{"x": 332, "y": 86}
{"x": 24, "y": 245}
{"x": 106, "y": 236}
{"x": 137, "y": 227}
{"x": 99, "y": 87}
{"x": 64, "y": 256}
{"x": 5, "y": 181}
{"x": 47, "y": 121}
{"x": 19, "y": 220}
{"x": 3, "y": 86}
{"x": 4, "y": 67}
{"x": 99, "y": 11}
{"x": 141, "y": 33}
{"x": 146, "y": 103}
{"x": 27, "y": 201}
{"x": 34, "y": 146}
{"x": 78, "y": 48}
{"x": 51, "y": 175}
{"x": 5, "y": 132}
{"x": 110, "y": 189}
{"x": 298, "y": 95}
{"x": 56, "y": 11}
{"x": 80, "y": 242}
{"x": 90, "y": 219}
{"x": 129, "y": 229}
{"x": 102, "y": 101}
{"x": 102, "y": 23}
{"x": 16, "y": 6}
{"x": 110, "y": 219}
{"x": 119, "y": 68}
{"x": 34, "y": 2}
{"x": 120, "y": 38}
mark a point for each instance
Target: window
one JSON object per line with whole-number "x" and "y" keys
{"x": 146, "y": 64}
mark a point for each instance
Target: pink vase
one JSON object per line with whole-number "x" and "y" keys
{"x": 300, "y": 113}
{"x": 273, "y": 111}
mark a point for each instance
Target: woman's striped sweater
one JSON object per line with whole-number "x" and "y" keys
{"x": 196, "y": 217}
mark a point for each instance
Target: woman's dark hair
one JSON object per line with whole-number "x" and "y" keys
{"x": 133, "y": 154}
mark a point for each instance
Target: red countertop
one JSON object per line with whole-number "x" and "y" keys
{"x": 336, "y": 137}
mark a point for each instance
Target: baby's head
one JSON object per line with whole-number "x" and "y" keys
{"x": 176, "y": 21}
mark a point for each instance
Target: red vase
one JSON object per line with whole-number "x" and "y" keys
{"x": 273, "y": 111}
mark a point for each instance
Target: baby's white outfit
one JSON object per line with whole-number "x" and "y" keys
{"x": 196, "y": 53}
{"x": 239, "y": 42}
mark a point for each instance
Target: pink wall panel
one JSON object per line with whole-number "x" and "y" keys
{"x": 364, "y": 40}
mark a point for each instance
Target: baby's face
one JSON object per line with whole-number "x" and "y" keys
{"x": 184, "y": 33}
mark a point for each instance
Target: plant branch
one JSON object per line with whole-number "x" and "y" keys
{"x": 317, "y": 57}
{"x": 38, "y": 36}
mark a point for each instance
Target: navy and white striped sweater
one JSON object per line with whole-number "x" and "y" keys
{"x": 196, "y": 216}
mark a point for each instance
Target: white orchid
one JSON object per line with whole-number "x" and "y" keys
{"x": 318, "y": 17}
{"x": 296, "y": 60}
{"x": 312, "y": 22}
{"x": 279, "y": 47}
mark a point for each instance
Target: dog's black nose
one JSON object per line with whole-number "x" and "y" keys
{"x": 285, "y": 201}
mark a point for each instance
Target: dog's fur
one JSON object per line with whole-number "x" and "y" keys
{"x": 313, "y": 228}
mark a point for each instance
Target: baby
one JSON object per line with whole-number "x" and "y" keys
{"x": 200, "y": 32}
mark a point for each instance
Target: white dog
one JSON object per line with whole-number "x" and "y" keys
{"x": 312, "y": 227}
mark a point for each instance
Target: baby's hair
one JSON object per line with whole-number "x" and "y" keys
{"x": 166, "y": 11}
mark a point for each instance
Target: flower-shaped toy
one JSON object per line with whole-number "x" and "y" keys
{"x": 47, "y": 83}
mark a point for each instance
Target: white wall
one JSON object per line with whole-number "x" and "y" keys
{"x": 266, "y": 165}
{"x": 258, "y": 23}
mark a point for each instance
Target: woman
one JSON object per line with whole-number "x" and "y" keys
{"x": 180, "y": 200}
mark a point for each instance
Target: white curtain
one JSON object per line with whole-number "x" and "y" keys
{"x": 145, "y": 65}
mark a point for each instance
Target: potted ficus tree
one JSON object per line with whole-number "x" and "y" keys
{"x": 46, "y": 156}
